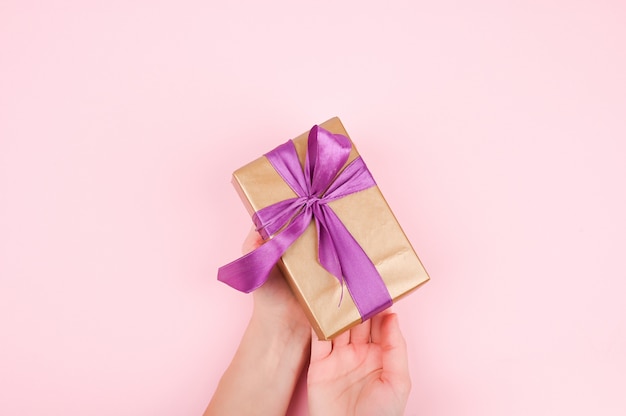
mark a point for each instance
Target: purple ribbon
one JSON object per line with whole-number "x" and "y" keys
{"x": 320, "y": 183}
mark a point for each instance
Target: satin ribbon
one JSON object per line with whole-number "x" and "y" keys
{"x": 283, "y": 222}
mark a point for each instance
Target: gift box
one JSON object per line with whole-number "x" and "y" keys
{"x": 350, "y": 258}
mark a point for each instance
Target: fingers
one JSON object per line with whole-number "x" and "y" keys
{"x": 252, "y": 241}
{"x": 395, "y": 360}
{"x": 376, "y": 326}
{"x": 360, "y": 334}
{"x": 319, "y": 349}
{"x": 342, "y": 340}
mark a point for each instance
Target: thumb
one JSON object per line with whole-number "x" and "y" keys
{"x": 253, "y": 241}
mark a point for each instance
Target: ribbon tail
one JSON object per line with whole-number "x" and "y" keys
{"x": 326, "y": 249}
{"x": 327, "y": 252}
{"x": 366, "y": 286}
{"x": 252, "y": 270}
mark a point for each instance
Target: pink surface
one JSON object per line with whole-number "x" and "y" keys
{"x": 497, "y": 132}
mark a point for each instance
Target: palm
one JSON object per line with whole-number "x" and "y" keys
{"x": 352, "y": 378}
{"x": 363, "y": 372}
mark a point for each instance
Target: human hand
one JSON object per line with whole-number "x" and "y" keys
{"x": 363, "y": 371}
{"x": 274, "y": 302}
{"x": 273, "y": 351}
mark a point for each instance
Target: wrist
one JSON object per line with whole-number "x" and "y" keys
{"x": 280, "y": 329}
{"x": 264, "y": 370}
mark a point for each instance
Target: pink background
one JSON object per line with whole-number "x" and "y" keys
{"x": 496, "y": 130}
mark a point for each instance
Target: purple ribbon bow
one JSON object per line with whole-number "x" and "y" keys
{"x": 320, "y": 183}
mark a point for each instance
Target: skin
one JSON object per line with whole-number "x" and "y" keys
{"x": 271, "y": 356}
{"x": 363, "y": 371}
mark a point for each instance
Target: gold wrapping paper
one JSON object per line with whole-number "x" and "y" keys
{"x": 370, "y": 221}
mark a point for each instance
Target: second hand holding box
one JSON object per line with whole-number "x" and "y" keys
{"x": 328, "y": 227}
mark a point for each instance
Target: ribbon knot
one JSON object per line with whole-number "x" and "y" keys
{"x": 323, "y": 180}
{"x": 312, "y": 200}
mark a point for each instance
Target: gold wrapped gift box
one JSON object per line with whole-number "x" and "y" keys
{"x": 368, "y": 218}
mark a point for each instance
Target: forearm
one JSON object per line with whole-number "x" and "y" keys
{"x": 264, "y": 371}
